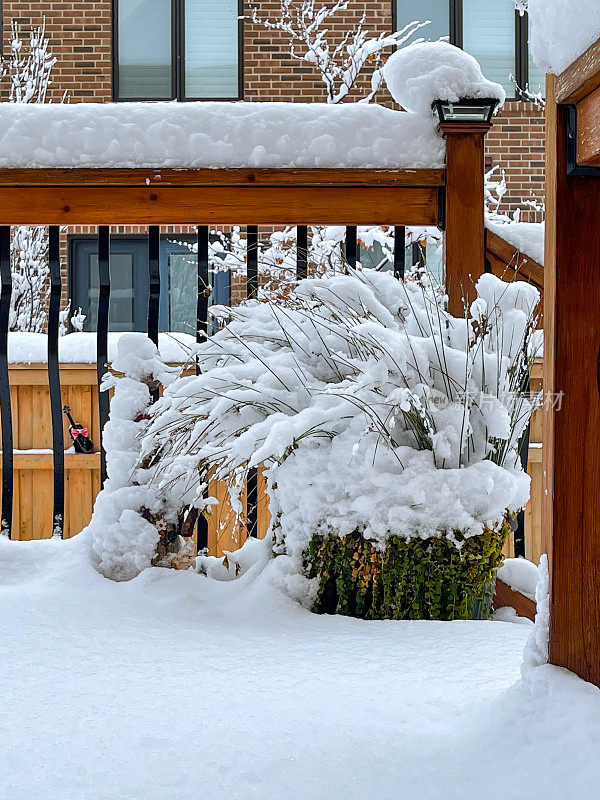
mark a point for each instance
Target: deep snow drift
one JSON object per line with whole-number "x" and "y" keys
{"x": 176, "y": 686}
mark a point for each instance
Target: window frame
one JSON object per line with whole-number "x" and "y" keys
{"x": 455, "y": 29}
{"x": 177, "y": 58}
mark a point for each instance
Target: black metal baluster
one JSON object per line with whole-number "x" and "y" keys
{"x": 399, "y": 252}
{"x": 252, "y": 262}
{"x": 201, "y": 334}
{"x": 252, "y": 293}
{"x": 203, "y": 285}
{"x": 154, "y": 281}
{"x": 58, "y": 444}
{"x": 102, "y": 335}
{"x": 301, "y": 252}
{"x": 154, "y": 284}
{"x": 351, "y": 246}
{"x": 5, "y": 404}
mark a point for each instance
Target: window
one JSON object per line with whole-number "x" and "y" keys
{"x": 177, "y": 49}
{"x": 490, "y": 30}
{"x": 129, "y": 283}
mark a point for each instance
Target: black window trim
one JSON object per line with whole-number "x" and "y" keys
{"x": 177, "y": 58}
{"x": 455, "y": 28}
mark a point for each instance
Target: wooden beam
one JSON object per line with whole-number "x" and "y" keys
{"x": 525, "y": 267}
{"x": 465, "y": 237}
{"x": 571, "y": 456}
{"x": 588, "y": 130}
{"x": 222, "y": 177}
{"x": 580, "y": 78}
{"x": 226, "y": 205}
{"x": 507, "y": 597}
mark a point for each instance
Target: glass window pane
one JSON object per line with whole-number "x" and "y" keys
{"x": 537, "y": 76}
{"x": 144, "y": 49}
{"x": 489, "y": 35}
{"x": 436, "y": 11}
{"x": 120, "y": 317}
{"x": 211, "y": 48}
{"x": 183, "y": 288}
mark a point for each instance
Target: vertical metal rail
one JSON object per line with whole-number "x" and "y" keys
{"x": 301, "y": 252}
{"x": 203, "y": 285}
{"x": 351, "y": 246}
{"x": 153, "y": 281}
{"x": 252, "y": 262}
{"x": 399, "y": 252}
{"x": 201, "y": 334}
{"x": 102, "y": 335}
{"x": 252, "y": 294}
{"x": 5, "y": 405}
{"x": 58, "y": 444}
{"x": 154, "y": 284}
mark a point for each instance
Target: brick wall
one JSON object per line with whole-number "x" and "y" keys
{"x": 516, "y": 144}
{"x": 80, "y": 38}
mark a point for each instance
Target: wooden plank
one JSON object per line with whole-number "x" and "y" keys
{"x": 580, "y": 78}
{"x": 37, "y": 375}
{"x": 526, "y": 267}
{"x": 79, "y": 489}
{"x": 571, "y": 432}
{"x": 505, "y": 596}
{"x": 588, "y": 130}
{"x": 40, "y": 461}
{"x": 464, "y": 240}
{"x": 255, "y": 205}
{"x": 221, "y": 177}
{"x": 43, "y": 499}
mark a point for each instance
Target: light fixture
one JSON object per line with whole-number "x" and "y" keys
{"x": 466, "y": 110}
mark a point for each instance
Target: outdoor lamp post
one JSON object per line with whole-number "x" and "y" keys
{"x": 464, "y": 124}
{"x": 466, "y": 110}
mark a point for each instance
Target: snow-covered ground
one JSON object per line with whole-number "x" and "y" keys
{"x": 177, "y": 686}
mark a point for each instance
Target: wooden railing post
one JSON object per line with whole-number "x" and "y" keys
{"x": 464, "y": 239}
{"x": 571, "y": 457}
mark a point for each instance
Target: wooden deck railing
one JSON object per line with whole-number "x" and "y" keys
{"x": 202, "y": 198}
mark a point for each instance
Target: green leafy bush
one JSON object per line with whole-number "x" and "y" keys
{"x": 410, "y": 579}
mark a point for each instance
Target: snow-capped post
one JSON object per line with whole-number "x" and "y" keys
{"x": 464, "y": 125}
{"x": 430, "y": 77}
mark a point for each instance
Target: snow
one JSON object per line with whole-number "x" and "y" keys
{"x": 423, "y": 72}
{"x": 561, "y": 31}
{"x": 356, "y": 396}
{"x": 173, "y": 685}
{"x": 123, "y": 539}
{"x": 526, "y": 237}
{"x": 216, "y": 135}
{"x": 521, "y": 575}
{"x": 80, "y": 348}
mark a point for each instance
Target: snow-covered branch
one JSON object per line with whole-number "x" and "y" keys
{"x": 28, "y": 68}
{"x": 340, "y": 64}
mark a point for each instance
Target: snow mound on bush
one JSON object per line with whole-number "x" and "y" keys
{"x": 421, "y": 73}
{"x": 216, "y": 135}
{"x": 122, "y": 540}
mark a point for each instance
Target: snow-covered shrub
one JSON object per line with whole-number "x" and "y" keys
{"x": 376, "y": 413}
{"x": 130, "y": 517}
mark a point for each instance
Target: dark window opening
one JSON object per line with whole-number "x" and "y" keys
{"x": 130, "y": 284}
